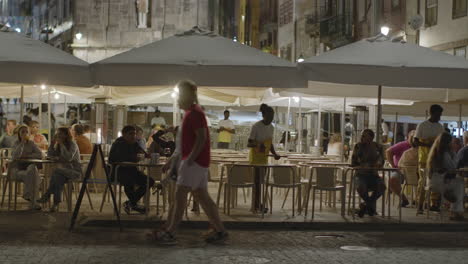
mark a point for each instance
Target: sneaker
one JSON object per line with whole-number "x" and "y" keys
{"x": 35, "y": 207}
{"x": 127, "y": 207}
{"x": 404, "y": 203}
{"x": 54, "y": 208}
{"x": 164, "y": 238}
{"x": 140, "y": 209}
{"x": 217, "y": 237}
{"x": 362, "y": 210}
{"x": 43, "y": 199}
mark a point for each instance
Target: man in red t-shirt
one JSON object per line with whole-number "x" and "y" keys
{"x": 193, "y": 170}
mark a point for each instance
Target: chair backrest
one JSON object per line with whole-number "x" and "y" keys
{"x": 85, "y": 156}
{"x": 155, "y": 172}
{"x": 238, "y": 175}
{"x": 411, "y": 175}
{"x": 285, "y": 175}
{"x": 214, "y": 171}
{"x": 5, "y": 153}
{"x": 326, "y": 176}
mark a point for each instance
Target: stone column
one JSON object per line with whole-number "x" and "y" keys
{"x": 120, "y": 119}
{"x": 101, "y": 109}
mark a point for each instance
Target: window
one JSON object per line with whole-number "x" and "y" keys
{"x": 459, "y": 8}
{"x": 460, "y": 52}
{"x": 431, "y": 12}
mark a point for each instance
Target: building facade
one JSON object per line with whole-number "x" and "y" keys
{"x": 446, "y": 26}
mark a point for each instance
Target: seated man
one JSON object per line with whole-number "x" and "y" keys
{"x": 126, "y": 149}
{"x": 368, "y": 154}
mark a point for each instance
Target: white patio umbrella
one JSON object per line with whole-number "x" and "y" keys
{"x": 28, "y": 61}
{"x": 24, "y": 61}
{"x": 386, "y": 63}
{"x": 201, "y": 56}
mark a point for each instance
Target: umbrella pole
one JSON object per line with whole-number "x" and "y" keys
{"x": 49, "y": 116}
{"x": 395, "y": 128}
{"x": 319, "y": 122}
{"x": 299, "y": 127}
{"x": 21, "y": 104}
{"x": 460, "y": 121}
{"x": 286, "y": 137}
{"x": 174, "y": 113}
{"x": 342, "y": 129}
{"x": 379, "y": 115}
{"x": 40, "y": 108}
{"x": 65, "y": 106}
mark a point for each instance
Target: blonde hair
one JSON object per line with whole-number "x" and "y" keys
{"x": 335, "y": 138}
{"x": 189, "y": 89}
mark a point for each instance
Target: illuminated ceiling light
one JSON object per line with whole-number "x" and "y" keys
{"x": 296, "y": 99}
{"x": 385, "y": 30}
{"x": 78, "y": 35}
{"x": 57, "y": 96}
{"x": 173, "y": 95}
{"x": 43, "y": 86}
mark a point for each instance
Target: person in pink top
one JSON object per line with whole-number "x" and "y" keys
{"x": 193, "y": 171}
{"x": 394, "y": 154}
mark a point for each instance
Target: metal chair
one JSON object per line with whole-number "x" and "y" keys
{"x": 237, "y": 177}
{"x": 411, "y": 180}
{"x": 326, "y": 181}
{"x": 286, "y": 177}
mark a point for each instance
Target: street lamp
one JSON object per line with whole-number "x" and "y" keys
{"x": 78, "y": 35}
{"x": 18, "y": 30}
{"x": 385, "y": 30}
{"x": 300, "y": 59}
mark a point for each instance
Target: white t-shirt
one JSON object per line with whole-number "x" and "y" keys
{"x": 384, "y": 129}
{"x": 428, "y": 130}
{"x": 260, "y": 132}
{"x": 158, "y": 121}
{"x": 226, "y": 124}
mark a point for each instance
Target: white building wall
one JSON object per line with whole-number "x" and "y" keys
{"x": 448, "y": 31}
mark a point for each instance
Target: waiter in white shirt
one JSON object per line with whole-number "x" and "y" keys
{"x": 225, "y": 130}
{"x": 158, "y": 119}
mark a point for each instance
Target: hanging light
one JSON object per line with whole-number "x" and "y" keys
{"x": 78, "y": 35}
{"x": 300, "y": 59}
{"x": 57, "y": 95}
{"x": 296, "y": 99}
{"x": 176, "y": 90}
{"x": 385, "y": 30}
{"x": 43, "y": 86}
{"x": 173, "y": 95}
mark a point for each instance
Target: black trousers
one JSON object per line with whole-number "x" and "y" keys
{"x": 134, "y": 184}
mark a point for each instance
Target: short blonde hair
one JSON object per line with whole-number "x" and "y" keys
{"x": 189, "y": 88}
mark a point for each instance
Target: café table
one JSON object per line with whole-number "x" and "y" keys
{"x": 145, "y": 164}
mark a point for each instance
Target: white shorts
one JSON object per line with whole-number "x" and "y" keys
{"x": 194, "y": 176}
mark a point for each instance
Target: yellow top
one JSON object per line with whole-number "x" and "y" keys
{"x": 224, "y": 136}
{"x": 423, "y": 152}
{"x": 259, "y": 156}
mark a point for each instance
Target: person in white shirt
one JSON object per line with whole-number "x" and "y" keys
{"x": 158, "y": 119}
{"x": 225, "y": 130}
{"x": 335, "y": 145}
{"x": 385, "y": 131}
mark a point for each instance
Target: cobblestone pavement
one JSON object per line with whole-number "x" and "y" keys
{"x": 107, "y": 245}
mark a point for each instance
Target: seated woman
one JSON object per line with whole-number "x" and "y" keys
{"x": 26, "y": 172}
{"x": 368, "y": 154}
{"x": 335, "y": 145}
{"x": 67, "y": 153}
{"x": 38, "y": 138}
{"x": 440, "y": 162}
{"x": 84, "y": 144}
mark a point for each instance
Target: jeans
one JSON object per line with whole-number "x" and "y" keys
{"x": 30, "y": 178}
{"x": 369, "y": 181}
{"x": 135, "y": 185}
{"x": 59, "y": 177}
